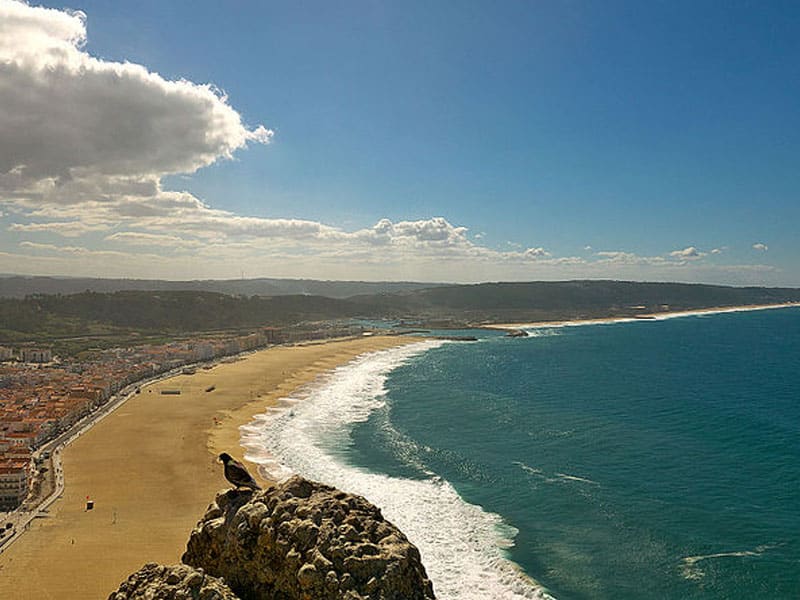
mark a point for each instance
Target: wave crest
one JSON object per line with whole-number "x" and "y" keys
{"x": 462, "y": 545}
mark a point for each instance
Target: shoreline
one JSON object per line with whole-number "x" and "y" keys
{"x": 292, "y": 437}
{"x": 645, "y": 317}
{"x": 268, "y": 465}
{"x": 150, "y": 463}
{"x": 150, "y": 467}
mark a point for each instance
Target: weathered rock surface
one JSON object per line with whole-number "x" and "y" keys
{"x": 304, "y": 540}
{"x": 176, "y": 582}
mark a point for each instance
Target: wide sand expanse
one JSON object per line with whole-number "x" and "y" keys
{"x": 150, "y": 468}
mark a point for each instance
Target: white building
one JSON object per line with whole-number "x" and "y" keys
{"x": 36, "y": 355}
{"x": 14, "y": 482}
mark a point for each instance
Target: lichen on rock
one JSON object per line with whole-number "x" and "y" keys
{"x": 303, "y": 540}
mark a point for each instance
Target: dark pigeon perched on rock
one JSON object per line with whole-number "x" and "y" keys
{"x": 236, "y": 473}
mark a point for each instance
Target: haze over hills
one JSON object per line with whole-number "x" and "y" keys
{"x": 552, "y": 300}
{"x": 19, "y": 286}
{"x": 166, "y": 312}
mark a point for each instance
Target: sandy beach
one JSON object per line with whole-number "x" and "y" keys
{"x": 641, "y": 317}
{"x": 150, "y": 468}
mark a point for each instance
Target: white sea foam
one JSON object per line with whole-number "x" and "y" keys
{"x": 530, "y": 470}
{"x": 460, "y": 543}
{"x": 691, "y": 570}
{"x": 568, "y": 477}
{"x": 556, "y": 478}
{"x": 538, "y": 332}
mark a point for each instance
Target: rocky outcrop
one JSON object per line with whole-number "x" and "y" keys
{"x": 304, "y": 540}
{"x": 517, "y": 333}
{"x": 177, "y": 582}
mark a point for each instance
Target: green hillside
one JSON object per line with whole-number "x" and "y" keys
{"x": 124, "y": 315}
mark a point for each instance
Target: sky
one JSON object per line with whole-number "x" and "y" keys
{"x": 428, "y": 141}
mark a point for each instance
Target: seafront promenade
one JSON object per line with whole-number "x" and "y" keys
{"x": 150, "y": 467}
{"x": 17, "y": 522}
{"x": 41, "y": 401}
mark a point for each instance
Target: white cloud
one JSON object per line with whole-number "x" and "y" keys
{"x": 536, "y": 253}
{"x": 618, "y": 257}
{"x": 63, "y": 228}
{"x": 86, "y": 143}
{"x": 760, "y": 247}
{"x": 690, "y": 253}
{"x": 74, "y": 127}
{"x": 78, "y": 251}
{"x": 137, "y": 238}
{"x": 435, "y": 232}
{"x": 675, "y": 258}
{"x": 261, "y": 257}
{"x": 719, "y": 250}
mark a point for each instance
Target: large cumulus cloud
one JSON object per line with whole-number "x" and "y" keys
{"x": 86, "y": 126}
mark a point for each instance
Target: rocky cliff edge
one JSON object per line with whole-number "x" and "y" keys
{"x": 297, "y": 540}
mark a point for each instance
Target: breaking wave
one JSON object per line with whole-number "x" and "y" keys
{"x": 462, "y": 546}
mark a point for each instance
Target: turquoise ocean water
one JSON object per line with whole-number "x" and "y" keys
{"x": 649, "y": 459}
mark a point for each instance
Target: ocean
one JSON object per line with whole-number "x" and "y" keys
{"x": 646, "y": 459}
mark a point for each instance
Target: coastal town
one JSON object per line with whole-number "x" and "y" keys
{"x": 43, "y": 395}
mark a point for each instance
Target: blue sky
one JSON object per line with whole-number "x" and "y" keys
{"x": 459, "y": 141}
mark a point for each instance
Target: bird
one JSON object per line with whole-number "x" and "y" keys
{"x": 236, "y": 473}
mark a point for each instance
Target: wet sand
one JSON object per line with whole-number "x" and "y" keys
{"x": 150, "y": 468}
